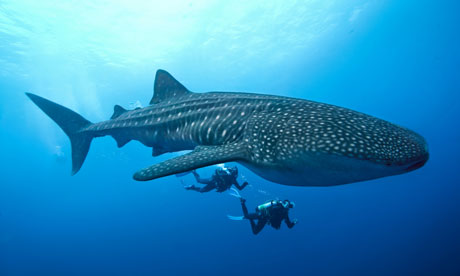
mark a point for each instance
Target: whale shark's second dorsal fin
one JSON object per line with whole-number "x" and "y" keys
{"x": 166, "y": 87}
{"x": 117, "y": 111}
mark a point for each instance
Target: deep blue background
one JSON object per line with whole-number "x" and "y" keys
{"x": 402, "y": 65}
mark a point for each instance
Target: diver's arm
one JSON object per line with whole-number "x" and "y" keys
{"x": 289, "y": 223}
{"x": 202, "y": 180}
{"x": 238, "y": 186}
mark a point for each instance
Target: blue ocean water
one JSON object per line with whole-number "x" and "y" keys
{"x": 396, "y": 60}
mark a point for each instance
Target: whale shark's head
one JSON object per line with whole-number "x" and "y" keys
{"x": 394, "y": 148}
{"x": 401, "y": 151}
{"x": 324, "y": 145}
{"x": 412, "y": 152}
{"x": 365, "y": 148}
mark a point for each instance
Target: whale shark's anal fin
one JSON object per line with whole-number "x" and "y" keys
{"x": 158, "y": 150}
{"x": 202, "y": 156}
{"x": 121, "y": 139}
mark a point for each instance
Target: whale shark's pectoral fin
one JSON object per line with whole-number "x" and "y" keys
{"x": 202, "y": 156}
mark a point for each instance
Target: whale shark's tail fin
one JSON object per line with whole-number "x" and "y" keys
{"x": 71, "y": 123}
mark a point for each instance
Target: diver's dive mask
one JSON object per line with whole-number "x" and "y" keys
{"x": 288, "y": 204}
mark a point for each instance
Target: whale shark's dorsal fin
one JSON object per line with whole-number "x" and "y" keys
{"x": 202, "y": 156}
{"x": 117, "y": 111}
{"x": 166, "y": 87}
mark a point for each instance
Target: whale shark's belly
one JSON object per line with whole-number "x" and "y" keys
{"x": 322, "y": 171}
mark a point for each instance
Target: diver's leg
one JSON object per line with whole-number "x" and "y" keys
{"x": 256, "y": 228}
{"x": 193, "y": 188}
{"x": 240, "y": 187}
{"x": 201, "y": 180}
{"x": 253, "y": 226}
{"x": 207, "y": 188}
{"x": 243, "y": 206}
{"x": 246, "y": 214}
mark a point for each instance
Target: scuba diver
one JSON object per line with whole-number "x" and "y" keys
{"x": 221, "y": 180}
{"x": 272, "y": 212}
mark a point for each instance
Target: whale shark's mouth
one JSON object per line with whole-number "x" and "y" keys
{"x": 417, "y": 165}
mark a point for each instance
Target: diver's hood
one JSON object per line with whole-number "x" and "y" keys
{"x": 288, "y": 204}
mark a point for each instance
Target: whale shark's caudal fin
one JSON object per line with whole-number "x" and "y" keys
{"x": 202, "y": 156}
{"x": 71, "y": 123}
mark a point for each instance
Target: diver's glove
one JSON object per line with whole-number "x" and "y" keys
{"x": 294, "y": 221}
{"x": 242, "y": 200}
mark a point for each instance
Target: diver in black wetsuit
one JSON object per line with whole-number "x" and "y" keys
{"x": 272, "y": 212}
{"x": 221, "y": 180}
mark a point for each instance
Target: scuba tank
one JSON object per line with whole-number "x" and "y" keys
{"x": 263, "y": 208}
{"x": 266, "y": 205}
{"x": 268, "y": 208}
{"x": 222, "y": 179}
{"x": 222, "y": 171}
{"x": 274, "y": 211}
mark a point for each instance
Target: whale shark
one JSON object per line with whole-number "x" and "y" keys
{"x": 284, "y": 140}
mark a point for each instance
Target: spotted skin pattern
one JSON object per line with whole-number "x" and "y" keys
{"x": 285, "y": 140}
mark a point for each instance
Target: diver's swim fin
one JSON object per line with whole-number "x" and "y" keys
{"x": 235, "y": 217}
{"x": 202, "y": 156}
{"x": 235, "y": 193}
